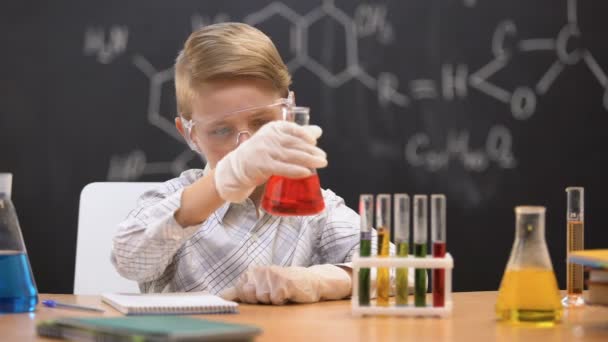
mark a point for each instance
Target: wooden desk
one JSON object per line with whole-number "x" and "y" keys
{"x": 472, "y": 320}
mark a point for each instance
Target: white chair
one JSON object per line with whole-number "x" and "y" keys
{"x": 102, "y": 206}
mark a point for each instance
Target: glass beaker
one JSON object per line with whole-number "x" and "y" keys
{"x": 290, "y": 196}
{"x": 528, "y": 291}
{"x": 18, "y": 291}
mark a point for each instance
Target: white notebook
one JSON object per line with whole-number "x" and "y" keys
{"x": 169, "y": 303}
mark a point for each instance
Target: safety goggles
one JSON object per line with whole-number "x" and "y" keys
{"x": 227, "y": 130}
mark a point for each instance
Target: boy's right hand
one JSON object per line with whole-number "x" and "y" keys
{"x": 279, "y": 148}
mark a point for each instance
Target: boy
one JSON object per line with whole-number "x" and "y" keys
{"x": 204, "y": 230}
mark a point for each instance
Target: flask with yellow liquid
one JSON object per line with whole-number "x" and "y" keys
{"x": 528, "y": 290}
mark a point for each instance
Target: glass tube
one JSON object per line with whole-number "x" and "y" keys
{"x": 401, "y": 225}
{"x": 366, "y": 214}
{"x": 420, "y": 247}
{"x": 383, "y": 228}
{"x": 438, "y": 238}
{"x": 575, "y": 242}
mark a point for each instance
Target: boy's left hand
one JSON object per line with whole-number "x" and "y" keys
{"x": 277, "y": 285}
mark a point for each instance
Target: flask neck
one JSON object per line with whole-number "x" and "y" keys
{"x": 11, "y": 238}
{"x": 530, "y": 248}
{"x": 530, "y": 227}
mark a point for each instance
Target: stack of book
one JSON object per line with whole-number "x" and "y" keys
{"x": 596, "y": 262}
{"x": 156, "y": 328}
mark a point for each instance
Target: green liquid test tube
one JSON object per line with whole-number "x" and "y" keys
{"x": 420, "y": 242}
{"x": 383, "y": 226}
{"x": 366, "y": 208}
{"x": 402, "y": 237}
{"x": 420, "y": 278}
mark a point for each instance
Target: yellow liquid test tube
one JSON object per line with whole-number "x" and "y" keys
{"x": 383, "y": 226}
{"x": 401, "y": 225}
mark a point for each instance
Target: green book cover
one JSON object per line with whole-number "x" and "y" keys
{"x": 145, "y": 328}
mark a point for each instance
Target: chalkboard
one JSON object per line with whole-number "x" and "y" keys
{"x": 494, "y": 103}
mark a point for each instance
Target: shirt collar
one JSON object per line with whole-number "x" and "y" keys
{"x": 221, "y": 212}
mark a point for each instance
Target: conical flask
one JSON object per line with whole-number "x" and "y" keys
{"x": 528, "y": 290}
{"x": 294, "y": 197}
{"x": 18, "y": 291}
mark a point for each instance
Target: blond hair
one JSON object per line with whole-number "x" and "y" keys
{"x": 225, "y": 51}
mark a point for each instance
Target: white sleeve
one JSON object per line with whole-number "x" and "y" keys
{"x": 149, "y": 237}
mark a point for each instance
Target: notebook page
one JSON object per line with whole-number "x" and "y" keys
{"x": 169, "y": 303}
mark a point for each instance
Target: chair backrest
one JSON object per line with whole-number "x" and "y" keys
{"x": 102, "y": 206}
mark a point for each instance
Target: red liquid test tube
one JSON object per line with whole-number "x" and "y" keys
{"x": 438, "y": 235}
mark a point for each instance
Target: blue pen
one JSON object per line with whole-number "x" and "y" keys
{"x": 54, "y": 304}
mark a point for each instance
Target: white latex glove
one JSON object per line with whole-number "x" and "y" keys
{"x": 280, "y": 148}
{"x": 277, "y": 285}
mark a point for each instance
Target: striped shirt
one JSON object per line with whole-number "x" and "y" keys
{"x": 151, "y": 248}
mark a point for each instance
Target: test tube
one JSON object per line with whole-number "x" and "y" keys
{"x": 575, "y": 242}
{"x": 383, "y": 228}
{"x": 420, "y": 242}
{"x": 438, "y": 238}
{"x": 401, "y": 209}
{"x": 366, "y": 213}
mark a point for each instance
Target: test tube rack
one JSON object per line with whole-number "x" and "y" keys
{"x": 446, "y": 263}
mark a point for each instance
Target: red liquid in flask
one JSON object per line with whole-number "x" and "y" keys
{"x": 293, "y": 197}
{"x": 438, "y": 276}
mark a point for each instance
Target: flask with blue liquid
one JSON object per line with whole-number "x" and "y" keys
{"x": 18, "y": 291}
